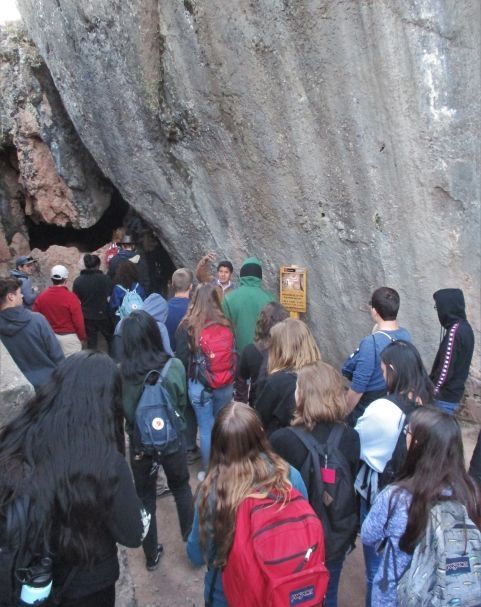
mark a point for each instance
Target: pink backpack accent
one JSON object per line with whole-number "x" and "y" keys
{"x": 277, "y": 556}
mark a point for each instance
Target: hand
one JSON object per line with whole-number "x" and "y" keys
{"x": 209, "y": 257}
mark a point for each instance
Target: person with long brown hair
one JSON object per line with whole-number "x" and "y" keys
{"x": 242, "y": 464}
{"x": 292, "y": 347}
{"x": 126, "y": 279}
{"x": 209, "y": 337}
{"x": 320, "y": 411}
{"x": 433, "y": 473}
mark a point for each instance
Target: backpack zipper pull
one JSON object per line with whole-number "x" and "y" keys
{"x": 308, "y": 554}
{"x": 325, "y": 460}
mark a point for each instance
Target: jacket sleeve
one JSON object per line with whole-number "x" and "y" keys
{"x": 444, "y": 364}
{"x": 176, "y": 385}
{"x": 128, "y": 520}
{"x": 372, "y": 530}
{"x": 78, "y": 318}
{"x": 265, "y": 404}
{"x": 116, "y": 298}
{"x": 182, "y": 351}
{"x": 244, "y": 370}
{"x": 365, "y": 365}
{"x": 50, "y": 341}
{"x": 202, "y": 273}
{"x": 227, "y": 309}
{"x": 29, "y": 295}
{"x": 475, "y": 466}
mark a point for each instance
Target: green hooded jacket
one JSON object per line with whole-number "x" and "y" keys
{"x": 242, "y": 306}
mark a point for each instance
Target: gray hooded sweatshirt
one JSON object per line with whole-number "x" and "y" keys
{"x": 157, "y": 307}
{"x": 31, "y": 342}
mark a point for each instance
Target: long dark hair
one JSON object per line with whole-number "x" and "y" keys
{"x": 405, "y": 372}
{"x": 143, "y": 350}
{"x": 434, "y": 471}
{"x": 60, "y": 452}
{"x": 270, "y": 315}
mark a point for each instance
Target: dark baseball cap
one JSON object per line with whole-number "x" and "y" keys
{"x": 24, "y": 260}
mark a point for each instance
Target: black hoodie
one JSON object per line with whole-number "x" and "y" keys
{"x": 31, "y": 342}
{"x": 452, "y": 362}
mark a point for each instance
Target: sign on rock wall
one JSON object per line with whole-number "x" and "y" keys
{"x": 293, "y": 289}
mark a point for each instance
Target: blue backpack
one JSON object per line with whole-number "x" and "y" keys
{"x": 131, "y": 301}
{"x": 157, "y": 422}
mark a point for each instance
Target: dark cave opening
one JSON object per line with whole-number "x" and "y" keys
{"x": 119, "y": 214}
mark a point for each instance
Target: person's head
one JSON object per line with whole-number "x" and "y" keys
{"x": 320, "y": 396}
{"x": 404, "y": 372}
{"x": 241, "y": 463}
{"x": 10, "y": 293}
{"x": 127, "y": 243}
{"x": 143, "y": 349}
{"x": 251, "y": 267}
{"x": 385, "y": 301}
{"x": 224, "y": 271}
{"x": 126, "y": 274}
{"x": 59, "y": 275}
{"x": 205, "y": 307}
{"x": 91, "y": 261}
{"x": 25, "y": 264}
{"x": 61, "y": 450}
{"x": 434, "y": 464}
{"x": 182, "y": 280}
{"x": 292, "y": 346}
{"x": 270, "y": 315}
{"x": 450, "y": 306}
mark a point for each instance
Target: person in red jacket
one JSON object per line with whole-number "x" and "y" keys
{"x": 63, "y": 311}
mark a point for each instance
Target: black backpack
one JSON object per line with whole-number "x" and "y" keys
{"x": 333, "y": 502}
{"x": 394, "y": 465}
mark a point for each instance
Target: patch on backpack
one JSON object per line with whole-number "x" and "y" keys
{"x": 297, "y": 597}
{"x": 458, "y": 565}
{"x": 158, "y": 423}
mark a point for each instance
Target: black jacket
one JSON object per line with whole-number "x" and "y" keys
{"x": 453, "y": 359}
{"x": 122, "y": 524}
{"x": 93, "y": 288}
{"x": 276, "y": 403}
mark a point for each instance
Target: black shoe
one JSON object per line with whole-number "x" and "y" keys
{"x": 192, "y": 456}
{"x": 153, "y": 562}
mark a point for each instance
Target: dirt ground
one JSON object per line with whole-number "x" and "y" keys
{"x": 176, "y": 584}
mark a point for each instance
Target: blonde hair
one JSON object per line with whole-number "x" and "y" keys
{"x": 242, "y": 464}
{"x": 320, "y": 396}
{"x": 292, "y": 346}
{"x": 182, "y": 279}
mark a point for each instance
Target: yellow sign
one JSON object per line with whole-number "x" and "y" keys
{"x": 293, "y": 289}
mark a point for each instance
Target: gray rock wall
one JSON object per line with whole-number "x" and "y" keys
{"x": 339, "y": 134}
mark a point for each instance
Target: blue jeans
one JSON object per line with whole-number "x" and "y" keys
{"x": 207, "y": 404}
{"x": 449, "y": 408}
{"x": 372, "y": 560}
{"x": 334, "y": 566}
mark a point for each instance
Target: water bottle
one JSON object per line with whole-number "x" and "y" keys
{"x": 36, "y": 589}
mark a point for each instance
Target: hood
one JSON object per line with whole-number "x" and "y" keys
{"x": 13, "y": 320}
{"x": 250, "y": 281}
{"x": 18, "y": 274}
{"x": 157, "y": 307}
{"x": 450, "y": 306}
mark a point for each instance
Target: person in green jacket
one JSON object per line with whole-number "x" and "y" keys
{"x": 242, "y": 307}
{"x": 143, "y": 351}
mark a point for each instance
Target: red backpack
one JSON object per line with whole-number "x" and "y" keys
{"x": 277, "y": 556}
{"x": 214, "y": 363}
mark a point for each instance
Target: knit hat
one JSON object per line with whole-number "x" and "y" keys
{"x": 251, "y": 267}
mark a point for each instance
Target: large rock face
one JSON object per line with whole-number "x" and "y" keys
{"x": 341, "y": 135}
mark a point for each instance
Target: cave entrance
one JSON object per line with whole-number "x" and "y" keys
{"x": 118, "y": 215}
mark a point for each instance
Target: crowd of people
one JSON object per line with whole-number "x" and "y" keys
{"x": 232, "y": 382}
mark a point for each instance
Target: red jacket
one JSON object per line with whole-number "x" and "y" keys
{"x": 63, "y": 311}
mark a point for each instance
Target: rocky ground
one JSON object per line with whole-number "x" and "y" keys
{"x": 177, "y": 584}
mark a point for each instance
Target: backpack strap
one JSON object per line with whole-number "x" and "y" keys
{"x": 335, "y": 436}
{"x": 162, "y": 374}
{"x": 309, "y": 442}
{"x": 122, "y": 287}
